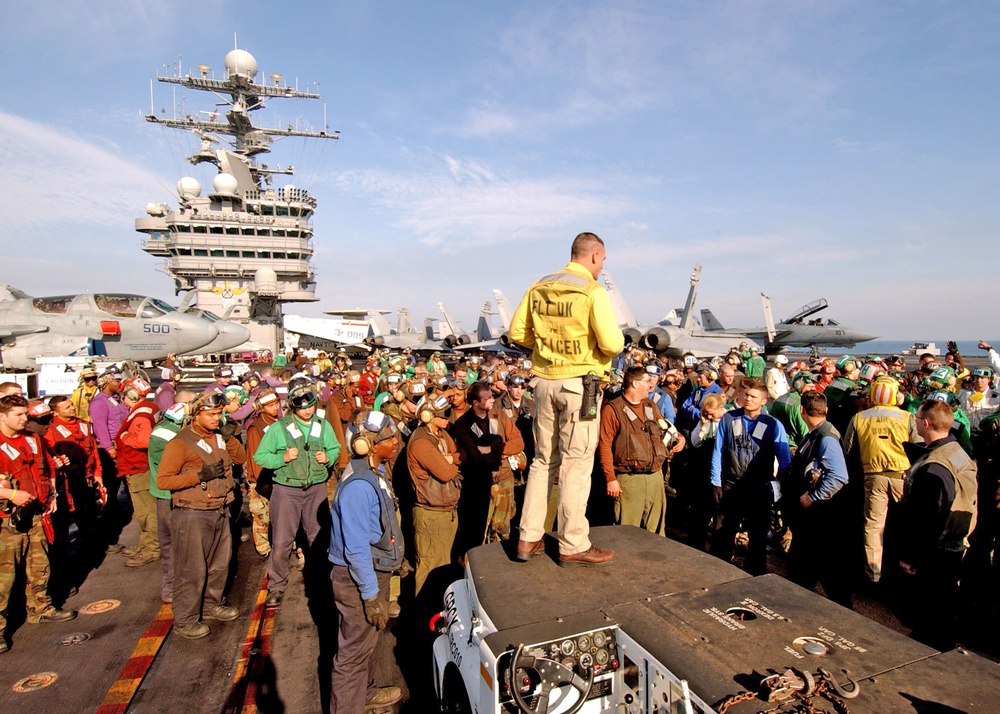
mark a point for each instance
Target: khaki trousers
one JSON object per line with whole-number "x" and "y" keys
{"x": 643, "y": 502}
{"x": 433, "y": 536}
{"x": 564, "y": 448}
{"x": 879, "y": 488}
{"x": 30, "y": 550}
{"x": 144, "y": 506}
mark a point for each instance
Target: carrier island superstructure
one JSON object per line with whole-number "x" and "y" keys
{"x": 241, "y": 245}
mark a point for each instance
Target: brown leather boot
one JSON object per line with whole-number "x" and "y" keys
{"x": 593, "y": 556}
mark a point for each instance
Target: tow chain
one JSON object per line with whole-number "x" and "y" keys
{"x": 795, "y": 691}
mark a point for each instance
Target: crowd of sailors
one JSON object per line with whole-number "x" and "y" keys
{"x": 862, "y": 471}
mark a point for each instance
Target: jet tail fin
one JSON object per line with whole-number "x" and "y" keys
{"x": 451, "y": 326}
{"x": 403, "y": 324}
{"x": 687, "y": 322}
{"x": 9, "y": 292}
{"x": 429, "y": 330}
{"x": 710, "y": 322}
{"x": 619, "y": 307}
{"x": 503, "y": 308}
{"x": 484, "y": 329}
{"x": 379, "y": 325}
{"x": 765, "y": 301}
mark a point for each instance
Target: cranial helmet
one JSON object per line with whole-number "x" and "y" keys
{"x": 302, "y": 393}
{"x": 375, "y": 427}
{"x": 135, "y": 389}
{"x": 884, "y": 391}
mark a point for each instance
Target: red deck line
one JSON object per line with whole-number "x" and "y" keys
{"x": 119, "y": 696}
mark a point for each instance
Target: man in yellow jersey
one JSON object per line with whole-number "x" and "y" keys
{"x": 875, "y": 439}
{"x": 566, "y": 320}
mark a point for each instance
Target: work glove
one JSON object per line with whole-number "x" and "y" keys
{"x": 376, "y": 612}
{"x": 229, "y": 430}
{"x": 405, "y": 569}
{"x": 210, "y": 472}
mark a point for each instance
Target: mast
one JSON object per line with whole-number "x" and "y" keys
{"x": 245, "y": 248}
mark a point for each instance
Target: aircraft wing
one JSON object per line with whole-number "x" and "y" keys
{"x": 345, "y": 332}
{"x": 487, "y": 346}
{"x": 7, "y": 331}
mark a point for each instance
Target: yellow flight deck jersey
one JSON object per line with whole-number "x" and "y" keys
{"x": 567, "y": 321}
{"x": 881, "y": 432}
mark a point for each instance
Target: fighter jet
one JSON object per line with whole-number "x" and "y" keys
{"x": 380, "y": 334}
{"x": 114, "y": 325}
{"x": 796, "y": 331}
{"x": 678, "y": 333}
{"x": 341, "y": 331}
{"x": 488, "y": 338}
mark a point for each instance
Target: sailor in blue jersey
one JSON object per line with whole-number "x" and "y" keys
{"x": 743, "y": 477}
{"x": 816, "y": 519}
{"x": 689, "y": 414}
{"x": 366, "y": 547}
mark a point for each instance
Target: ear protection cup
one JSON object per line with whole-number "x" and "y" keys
{"x": 360, "y": 445}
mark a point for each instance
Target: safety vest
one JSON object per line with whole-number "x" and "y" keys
{"x": 431, "y": 493}
{"x": 81, "y": 401}
{"x": 806, "y": 455}
{"x": 387, "y": 551}
{"x": 304, "y": 470}
{"x": 24, "y": 466}
{"x": 638, "y": 446}
{"x": 740, "y": 450}
{"x": 560, "y": 314}
{"x": 163, "y": 433}
{"x": 128, "y": 459}
{"x": 961, "y": 519}
{"x": 209, "y": 495}
{"x": 881, "y": 433}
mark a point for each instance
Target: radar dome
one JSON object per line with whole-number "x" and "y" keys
{"x": 266, "y": 281}
{"x": 188, "y": 187}
{"x": 242, "y": 63}
{"x": 225, "y": 184}
{"x": 155, "y": 209}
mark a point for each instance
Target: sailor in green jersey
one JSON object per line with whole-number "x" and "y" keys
{"x": 960, "y": 428}
{"x": 840, "y": 393}
{"x": 163, "y": 432}
{"x": 754, "y": 367}
{"x": 301, "y": 449}
{"x": 787, "y": 409}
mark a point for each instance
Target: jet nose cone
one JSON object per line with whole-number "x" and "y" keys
{"x": 230, "y": 335}
{"x": 193, "y": 333}
{"x": 866, "y": 337}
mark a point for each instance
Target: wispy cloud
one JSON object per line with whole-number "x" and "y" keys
{"x": 844, "y": 145}
{"x": 100, "y": 33}
{"x": 462, "y": 205}
{"x": 54, "y": 178}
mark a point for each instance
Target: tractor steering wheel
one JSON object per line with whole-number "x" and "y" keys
{"x": 551, "y": 674}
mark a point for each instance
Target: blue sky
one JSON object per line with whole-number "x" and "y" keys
{"x": 845, "y": 150}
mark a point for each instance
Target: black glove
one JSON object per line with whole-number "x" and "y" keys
{"x": 953, "y": 347}
{"x": 229, "y": 430}
{"x": 376, "y": 612}
{"x": 210, "y": 472}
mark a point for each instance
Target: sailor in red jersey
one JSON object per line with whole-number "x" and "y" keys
{"x": 26, "y": 493}
{"x": 79, "y": 481}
